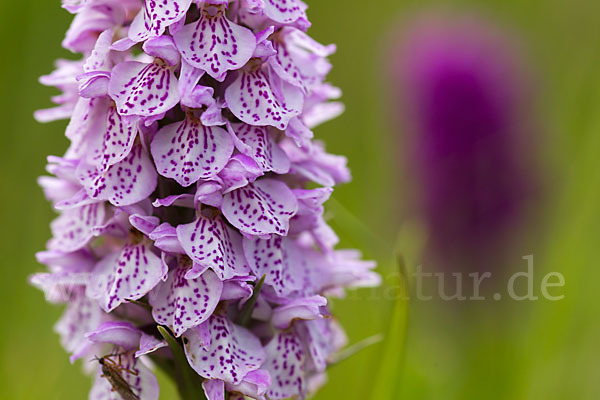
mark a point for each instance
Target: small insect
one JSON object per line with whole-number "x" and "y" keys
{"x": 111, "y": 370}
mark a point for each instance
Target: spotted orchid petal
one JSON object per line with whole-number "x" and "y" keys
{"x": 310, "y": 208}
{"x": 73, "y": 229}
{"x": 285, "y": 362}
{"x": 279, "y": 259}
{"x": 212, "y": 244}
{"x": 127, "y": 182}
{"x": 183, "y": 303}
{"x": 155, "y": 16}
{"x": 252, "y": 98}
{"x": 285, "y": 66}
{"x": 188, "y": 151}
{"x": 115, "y": 142}
{"x": 213, "y": 43}
{"x": 323, "y": 338}
{"x": 60, "y": 286}
{"x": 99, "y": 59}
{"x": 262, "y": 148}
{"x": 140, "y": 379}
{"x": 128, "y": 275}
{"x": 89, "y": 23}
{"x": 232, "y": 353}
{"x": 285, "y": 11}
{"x": 143, "y": 89}
{"x": 81, "y": 316}
{"x": 261, "y": 208}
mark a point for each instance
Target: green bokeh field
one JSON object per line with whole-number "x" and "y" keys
{"x": 511, "y": 350}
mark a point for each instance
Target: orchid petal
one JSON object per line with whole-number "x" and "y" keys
{"x": 128, "y": 275}
{"x": 187, "y": 151}
{"x": 214, "y": 44}
{"x": 182, "y": 303}
{"x": 232, "y": 353}
{"x": 143, "y": 89}
{"x": 212, "y": 244}
{"x": 285, "y": 362}
{"x": 155, "y": 16}
{"x": 261, "y": 208}
{"x": 252, "y": 99}
{"x": 127, "y": 182}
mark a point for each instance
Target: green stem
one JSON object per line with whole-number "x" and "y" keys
{"x": 188, "y": 382}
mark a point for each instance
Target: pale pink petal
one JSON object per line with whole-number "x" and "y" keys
{"x": 120, "y": 333}
{"x": 81, "y": 316}
{"x": 261, "y": 208}
{"x": 187, "y": 151}
{"x": 143, "y": 89}
{"x": 232, "y": 353}
{"x": 279, "y": 259}
{"x": 182, "y": 303}
{"x": 149, "y": 344}
{"x": 210, "y": 243}
{"x": 262, "y": 148}
{"x": 252, "y": 99}
{"x": 73, "y": 229}
{"x": 155, "y": 16}
{"x": 308, "y": 308}
{"x": 214, "y": 389}
{"x": 115, "y": 142}
{"x": 214, "y": 44}
{"x": 128, "y": 275}
{"x": 323, "y": 337}
{"x": 285, "y": 362}
{"x": 285, "y": 11}
{"x": 127, "y": 182}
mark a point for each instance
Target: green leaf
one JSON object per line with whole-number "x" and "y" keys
{"x": 189, "y": 384}
{"x": 388, "y": 378}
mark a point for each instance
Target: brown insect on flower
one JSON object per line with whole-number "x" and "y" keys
{"x": 112, "y": 370}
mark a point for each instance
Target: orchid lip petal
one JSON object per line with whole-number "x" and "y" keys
{"x": 215, "y": 44}
{"x": 188, "y": 151}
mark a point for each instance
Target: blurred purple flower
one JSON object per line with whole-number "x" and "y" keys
{"x": 462, "y": 84}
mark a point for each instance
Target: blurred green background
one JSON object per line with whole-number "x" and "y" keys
{"x": 516, "y": 350}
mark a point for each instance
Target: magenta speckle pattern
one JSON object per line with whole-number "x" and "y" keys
{"x": 285, "y": 362}
{"x": 156, "y": 16}
{"x": 127, "y": 182}
{"x": 181, "y": 303}
{"x": 284, "y": 11}
{"x": 117, "y": 141}
{"x": 143, "y": 89}
{"x": 231, "y": 353}
{"x": 128, "y": 275}
{"x": 214, "y": 44}
{"x": 262, "y": 148}
{"x": 261, "y": 208}
{"x": 188, "y": 151}
{"x": 73, "y": 229}
{"x": 210, "y": 243}
{"x": 251, "y": 98}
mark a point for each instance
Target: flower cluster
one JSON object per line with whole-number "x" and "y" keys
{"x": 184, "y": 200}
